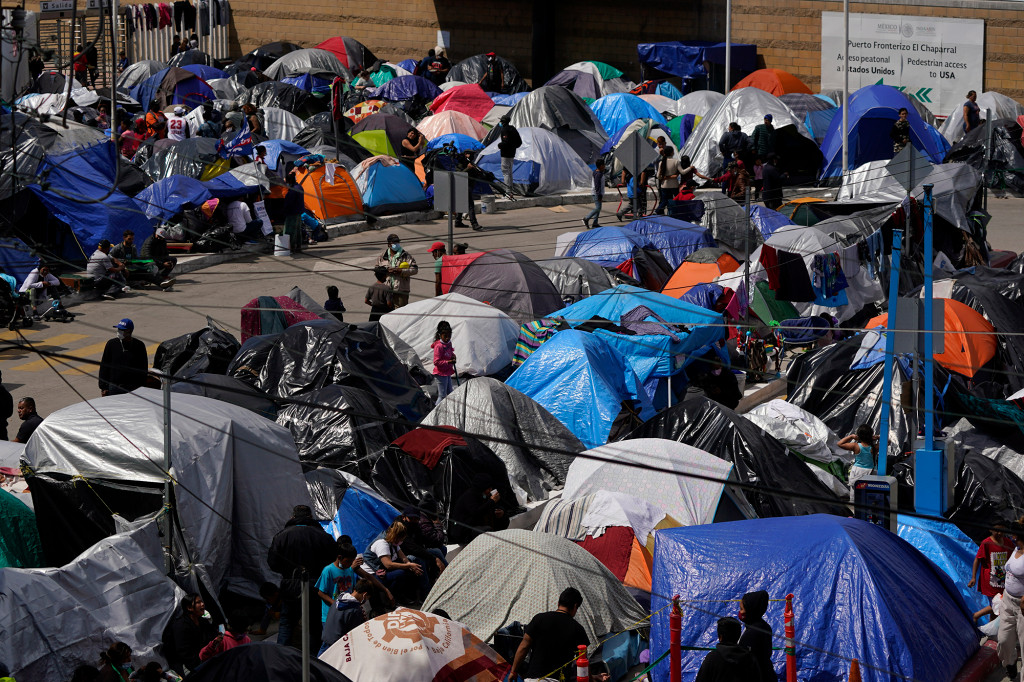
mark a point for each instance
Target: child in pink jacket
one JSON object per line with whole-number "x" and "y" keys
{"x": 444, "y": 359}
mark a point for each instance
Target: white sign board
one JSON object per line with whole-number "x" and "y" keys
{"x": 261, "y": 213}
{"x": 933, "y": 60}
{"x": 56, "y": 5}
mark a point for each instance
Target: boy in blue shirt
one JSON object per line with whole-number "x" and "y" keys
{"x": 341, "y": 576}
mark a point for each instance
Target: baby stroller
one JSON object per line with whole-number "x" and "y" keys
{"x": 14, "y": 307}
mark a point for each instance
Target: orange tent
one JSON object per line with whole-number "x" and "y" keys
{"x": 326, "y": 200}
{"x": 970, "y": 340}
{"x": 774, "y": 81}
{"x": 689, "y": 275}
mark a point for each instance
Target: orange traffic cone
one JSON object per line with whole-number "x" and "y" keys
{"x": 854, "y": 671}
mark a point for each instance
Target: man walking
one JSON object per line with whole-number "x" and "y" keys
{"x": 125, "y": 362}
{"x": 553, "y": 638}
{"x": 598, "y": 194}
{"x": 510, "y": 142}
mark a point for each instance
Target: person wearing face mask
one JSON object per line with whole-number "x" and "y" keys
{"x": 401, "y": 268}
{"x": 116, "y": 663}
{"x": 125, "y": 361}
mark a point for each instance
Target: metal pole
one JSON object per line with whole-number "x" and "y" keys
{"x": 929, "y": 379}
{"x": 165, "y": 383}
{"x": 746, "y": 261}
{"x": 451, "y": 212}
{"x": 846, "y": 86}
{"x": 114, "y": 42}
{"x": 890, "y": 340}
{"x": 305, "y": 626}
{"x": 728, "y": 47}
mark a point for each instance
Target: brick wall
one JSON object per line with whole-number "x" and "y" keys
{"x": 788, "y": 34}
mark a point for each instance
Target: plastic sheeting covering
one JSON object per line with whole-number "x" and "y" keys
{"x": 800, "y": 430}
{"x": 985, "y": 493}
{"x": 19, "y": 537}
{"x": 511, "y": 282}
{"x": 350, "y": 506}
{"x": 348, "y": 429}
{"x": 728, "y": 221}
{"x": 561, "y": 168}
{"x": 207, "y": 350}
{"x": 562, "y": 112}
{"x": 229, "y": 390}
{"x": 690, "y": 501}
{"x": 534, "y": 445}
{"x": 949, "y": 549}
{"x": 967, "y": 437}
{"x": 747, "y": 107}
{"x": 311, "y": 61}
{"x": 282, "y": 96}
{"x": 1001, "y": 106}
{"x": 311, "y": 355}
{"x": 586, "y": 384}
{"x": 676, "y": 239}
{"x": 263, "y": 662}
{"x": 757, "y": 458}
{"x": 576, "y": 278}
{"x": 493, "y": 564}
{"x": 484, "y": 338}
{"x": 167, "y": 197}
{"x": 471, "y": 70}
{"x": 852, "y": 583}
{"x": 280, "y": 124}
{"x": 191, "y": 157}
{"x": 223, "y": 457}
{"x": 53, "y": 619}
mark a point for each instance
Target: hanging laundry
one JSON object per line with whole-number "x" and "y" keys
{"x": 151, "y": 17}
{"x": 223, "y": 13}
{"x": 828, "y": 280}
{"x": 164, "y": 11}
{"x": 850, "y": 259}
{"x": 203, "y": 9}
{"x": 770, "y": 260}
{"x": 794, "y": 282}
{"x": 184, "y": 16}
{"x": 329, "y": 169}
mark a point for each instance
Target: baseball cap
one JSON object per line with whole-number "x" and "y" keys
{"x": 435, "y": 246}
{"x": 393, "y": 238}
{"x": 125, "y": 324}
{"x": 491, "y": 54}
{"x": 768, "y": 117}
{"x": 179, "y": 111}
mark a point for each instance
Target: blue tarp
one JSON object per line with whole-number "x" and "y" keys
{"x": 686, "y": 59}
{"x": 582, "y": 380}
{"x": 873, "y": 110}
{"x": 408, "y": 64}
{"x": 191, "y": 91}
{"x": 361, "y": 516}
{"x": 817, "y": 123}
{"x": 277, "y": 147}
{"x": 406, "y": 87}
{"x": 767, "y": 221}
{"x": 388, "y": 189}
{"x": 613, "y": 141}
{"x": 860, "y": 592}
{"x": 609, "y": 246}
{"x": 950, "y": 550}
{"x": 703, "y": 295}
{"x": 506, "y": 100}
{"x": 676, "y": 239}
{"x": 309, "y": 83}
{"x": 621, "y": 108}
{"x": 205, "y": 72}
{"x": 16, "y": 258}
{"x": 166, "y": 198}
{"x": 525, "y": 173}
{"x": 78, "y": 192}
{"x": 227, "y": 186}
{"x": 462, "y": 142}
{"x": 666, "y": 89}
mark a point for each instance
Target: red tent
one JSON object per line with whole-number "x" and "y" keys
{"x": 452, "y": 266}
{"x": 469, "y": 99}
{"x": 352, "y": 53}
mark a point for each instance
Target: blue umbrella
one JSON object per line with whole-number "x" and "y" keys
{"x": 463, "y": 143}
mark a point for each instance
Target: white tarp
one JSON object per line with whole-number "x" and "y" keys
{"x": 999, "y": 104}
{"x": 747, "y": 107}
{"x": 964, "y": 435}
{"x": 699, "y": 103}
{"x": 608, "y": 509}
{"x": 800, "y": 430}
{"x": 561, "y": 168}
{"x": 237, "y": 475}
{"x": 690, "y": 501}
{"x": 281, "y": 124}
{"x": 54, "y": 619}
{"x": 608, "y": 86}
{"x": 484, "y": 338}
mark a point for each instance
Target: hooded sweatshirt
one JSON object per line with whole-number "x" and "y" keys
{"x": 757, "y": 633}
{"x": 729, "y": 663}
{"x": 345, "y": 615}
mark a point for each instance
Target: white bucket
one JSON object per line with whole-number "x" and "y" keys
{"x": 282, "y": 245}
{"x": 741, "y": 379}
{"x": 487, "y": 204}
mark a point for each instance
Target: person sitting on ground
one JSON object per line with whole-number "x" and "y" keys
{"x": 415, "y": 544}
{"x": 552, "y": 640}
{"x": 116, "y": 663}
{"x": 107, "y": 274}
{"x": 757, "y": 633}
{"x": 152, "y": 672}
{"x": 136, "y": 271}
{"x": 345, "y": 614}
{"x": 333, "y": 304}
{"x": 234, "y": 635}
{"x": 155, "y": 249}
{"x": 403, "y": 576}
{"x": 40, "y": 285}
{"x": 728, "y": 661}
{"x": 187, "y": 634}
{"x": 476, "y": 511}
{"x": 30, "y": 418}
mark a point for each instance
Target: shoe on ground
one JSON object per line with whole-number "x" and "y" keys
{"x": 586, "y": 223}
{"x": 126, "y": 290}
{"x": 167, "y": 283}
{"x": 108, "y": 297}
{"x": 476, "y": 226}
{"x": 459, "y": 223}
{"x": 595, "y": 226}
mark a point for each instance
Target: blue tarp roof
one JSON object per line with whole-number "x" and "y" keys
{"x": 406, "y": 87}
{"x": 676, "y": 239}
{"x": 612, "y": 304}
{"x": 620, "y": 108}
{"x": 582, "y": 380}
{"x": 873, "y": 110}
{"x": 361, "y": 516}
{"x": 860, "y": 592}
{"x": 191, "y": 91}
{"x": 165, "y": 198}
{"x": 686, "y": 59}
{"x": 506, "y": 100}
{"x": 391, "y": 188}
{"x": 277, "y": 147}
{"x": 79, "y": 193}
{"x": 767, "y": 221}
{"x": 609, "y": 245}
{"x": 227, "y": 186}
{"x": 205, "y": 72}
{"x": 613, "y": 141}
{"x": 408, "y": 64}
{"x": 703, "y": 295}
{"x": 949, "y": 548}
{"x": 17, "y": 258}
{"x": 309, "y": 83}
{"x": 462, "y": 142}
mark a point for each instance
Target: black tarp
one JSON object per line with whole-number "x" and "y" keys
{"x": 403, "y": 478}
{"x": 208, "y": 350}
{"x": 263, "y": 662}
{"x": 1006, "y": 158}
{"x": 283, "y": 96}
{"x": 311, "y": 355}
{"x": 757, "y": 458}
{"x": 229, "y": 390}
{"x": 471, "y": 70}
{"x": 347, "y": 429}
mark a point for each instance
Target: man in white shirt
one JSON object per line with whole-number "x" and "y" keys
{"x": 177, "y": 125}
{"x": 239, "y": 218}
{"x": 107, "y": 274}
{"x": 39, "y": 285}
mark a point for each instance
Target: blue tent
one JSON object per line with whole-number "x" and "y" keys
{"x": 620, "y": 108}
{"x": 409, "y": 65}
{"x": 506, "y": 100}
{"x": 463, "y": 143}
{"x": 166, "y": 198}
{"x": 406, "y": 87}
{"x": 703, "y": 295}
{"x": 275, "y": 148}
{"x": 950, "y": 550}
{"x": 609, "y": 245}
{"x": 362, "y": 515}
{"x": 583, "y": 381}
{"x": 817, "y": 123}
{"x": 390, "y": 189}
{"x": 309, "y": 83}
{"x": 183, "y": 86}
{"x": 676, "y": 239}
{"x": 16, "y": 258}
{"x": 227, "y": 186}
{"x": 205, "y": 72}
{"x": 766, "y": 221}
{"x": 666, "y": 89}
{"x": 860, "y": 592}
{"x": 79, "y": 193}
{"x": 686, "y": 59}
{"x": 873, "y": 110}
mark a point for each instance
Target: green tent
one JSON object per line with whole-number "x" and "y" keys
{"x": 382, "y": 75}
{"x": 606, "y": 70}
{"x": 673, "y": 130}
{"x": 376, "y": 141}
{"x": 19, "y": 537}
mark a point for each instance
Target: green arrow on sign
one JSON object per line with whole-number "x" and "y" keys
{"x": 922, "y": 94}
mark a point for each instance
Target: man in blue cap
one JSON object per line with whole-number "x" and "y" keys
{"x": 125, "y": 362}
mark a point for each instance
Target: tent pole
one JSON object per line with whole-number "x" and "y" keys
{"x": 165, "y": 382}
{"x": 846, "y": 87}
{"x": 728, "y": 47}
{"x": 746, "y": 261}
